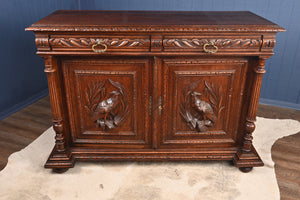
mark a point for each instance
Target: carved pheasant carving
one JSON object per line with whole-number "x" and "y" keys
{"x": 205, "y": 110}
{"x": 106, "y": 108}
{"x": 200, "y": 114}
{"x": 107, "y": 111}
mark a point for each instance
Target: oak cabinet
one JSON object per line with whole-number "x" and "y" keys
{"x": 155, "y": 85}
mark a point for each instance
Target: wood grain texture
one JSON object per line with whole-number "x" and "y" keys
{"x": 21, "y": 128}
{"x": 126, "y": 21}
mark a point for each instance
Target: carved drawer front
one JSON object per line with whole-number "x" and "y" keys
{"x": 212, "y": 44}
{"x": 201, "y": 102}
{"x": 99, "y": 44}
{"x": 108, "y": 101}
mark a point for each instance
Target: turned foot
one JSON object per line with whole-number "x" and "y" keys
{"x": 245, "y": 161}
{"x": 60, "y": 170}
{"x": 245, "y": 169}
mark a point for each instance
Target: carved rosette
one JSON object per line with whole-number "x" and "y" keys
{"x": 221, "y": 43}
{"x": 106, "y": 109}
{"x": 88, "y": 42}
{"x": 197, "y": 113}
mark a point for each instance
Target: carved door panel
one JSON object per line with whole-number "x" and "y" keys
{"x": 201, "y": 102}
{"x": 108, "y": 101}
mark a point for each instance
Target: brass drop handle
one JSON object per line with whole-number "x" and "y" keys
{"x": 208, "y": 50}
{"x": 99, "y": 50}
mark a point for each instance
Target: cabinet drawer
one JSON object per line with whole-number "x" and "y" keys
{"x": 212, "y": 44}
{"x": 85, "y": 43}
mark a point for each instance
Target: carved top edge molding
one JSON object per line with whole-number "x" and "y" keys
{"x": 185, "y": 28}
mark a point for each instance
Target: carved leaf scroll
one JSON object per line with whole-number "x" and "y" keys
{"x": 87, "y": 42}
{"x": 221, "y": 43}
{"x": 199, "y": 114}
{"x": 106, "y": 109}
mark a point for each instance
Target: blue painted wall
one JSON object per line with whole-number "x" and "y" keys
{"x": 22, "y": 80}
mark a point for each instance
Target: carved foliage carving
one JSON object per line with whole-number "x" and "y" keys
{"x": 86, "y": 42}
{"x": 221, "y": 43}
{"x": 211, "y": 28}
{"x": 199, "y": 114}
{"x": 106, "y": 109}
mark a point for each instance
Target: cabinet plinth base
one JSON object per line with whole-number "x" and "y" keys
{"x": 60, "y": 161}
{"x": 245, "y": 161}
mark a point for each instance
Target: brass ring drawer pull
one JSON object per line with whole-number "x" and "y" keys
{"x": 99, "y": 50}
{"x": 208, "y": 50}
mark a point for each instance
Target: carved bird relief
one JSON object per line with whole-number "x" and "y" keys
{"x": 200, "y": 114}
{"x": 107, "y": 112}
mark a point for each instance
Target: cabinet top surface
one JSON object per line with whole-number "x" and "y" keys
{"x": 147, "y": 21}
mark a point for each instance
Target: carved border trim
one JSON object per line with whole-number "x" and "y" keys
{"x": 184, "y": 28}
{"x": 88, "y": 42}
{"x": 268, "y": 43}
{"x": 222, "y": 43}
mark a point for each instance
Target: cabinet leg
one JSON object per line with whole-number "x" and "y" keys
{"x": 245, "y": 161}
{"x": 60, "y": 170}
{"x": 60, "y": 161}
{"x": 245, "y": 169}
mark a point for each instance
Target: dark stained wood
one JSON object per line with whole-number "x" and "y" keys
{"x": 285, "y": 151}
{"x": 119, "y": 90}
{"x": 69, "y": 18}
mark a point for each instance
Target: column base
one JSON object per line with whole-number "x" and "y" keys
{"x": 60, "y": 161}
{"x": 245, "y": 161}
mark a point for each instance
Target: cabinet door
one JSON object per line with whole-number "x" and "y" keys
{"x": 108, "y": 101}
{"x": 201, "y": 102}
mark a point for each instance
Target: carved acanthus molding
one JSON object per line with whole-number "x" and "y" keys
{"x": 88, "y": 42}
{"x": 221, "y": 43}
{"x": 199, "y": 114}
{"x": 106, "y": 109}
{"x": 182, "y": 28}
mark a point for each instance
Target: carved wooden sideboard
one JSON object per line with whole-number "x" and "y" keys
{"x": 154, "y": 86}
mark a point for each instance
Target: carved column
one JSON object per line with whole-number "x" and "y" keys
{"x": 247, "y": 157}
{"x": 252, "y": 110}
{"x": 55, "y": 104}
{"x": 60, "y": 156}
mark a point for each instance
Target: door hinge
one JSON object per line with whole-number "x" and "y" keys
{"x": 159, "y": 106}
{"x": 150, "y": 105}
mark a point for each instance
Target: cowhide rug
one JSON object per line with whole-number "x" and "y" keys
{"x": 24, "y": 177}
